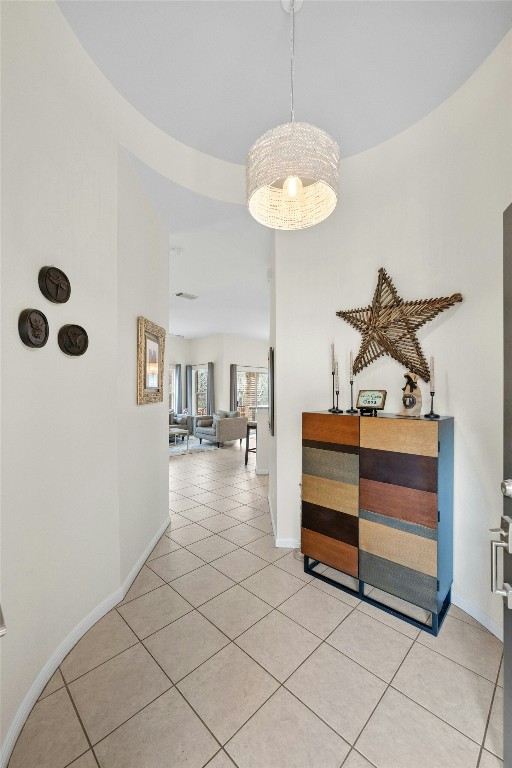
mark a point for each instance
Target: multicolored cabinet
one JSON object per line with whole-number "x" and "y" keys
{"x": 377, "y": 501}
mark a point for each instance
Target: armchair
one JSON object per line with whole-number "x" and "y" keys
{"x": 220, "y": 429}
{"x": 181, "y": 420}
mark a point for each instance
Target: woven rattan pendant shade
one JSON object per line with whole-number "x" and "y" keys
{"x": 292, "y": 149}
{"x": 292, "y": 171}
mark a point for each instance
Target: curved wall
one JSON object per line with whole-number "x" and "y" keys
{"x": 426, "y": 205}
{"x": 84, "y": 470}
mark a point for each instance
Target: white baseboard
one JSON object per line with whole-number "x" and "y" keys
{"x": 290, "y": 543}
{"x": 482, "y": 618}
{"x": 64, "y": 648}
{"x": 271, "y": 517}
{"x": 261, "y": 472}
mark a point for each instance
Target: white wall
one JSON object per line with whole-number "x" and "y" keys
{"x": 143, "y": 463}
{"x": 69, "y": 533}
{"x": 426, "y": 205}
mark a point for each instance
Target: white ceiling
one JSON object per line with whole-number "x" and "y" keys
{"x": 215, "y": 74}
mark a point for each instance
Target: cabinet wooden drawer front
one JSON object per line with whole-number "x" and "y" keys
{"x": 401, "y": 503}
{"x": 331, "y": 523}
{"x": 414, "y": 587}
{"x": 331, "y": 494}
{"x": 414, "y": 552}
{"x": 332, "y": 552}
{"x": 329, "y": 428}
{"x": 413, "y": 437}
{"x": 341, "y": 467}
{"x": 409, "y": 471}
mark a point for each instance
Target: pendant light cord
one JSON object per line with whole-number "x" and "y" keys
{"x": 292, "y": 62}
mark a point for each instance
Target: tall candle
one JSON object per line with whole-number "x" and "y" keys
{"x": 432, "y": 379}
{"x": 351, "y": 366}
{"x": 336, "y": 378}
{"x": 332, "y": 358}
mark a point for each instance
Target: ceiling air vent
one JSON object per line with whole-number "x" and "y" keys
{"x": 183, "y": 295}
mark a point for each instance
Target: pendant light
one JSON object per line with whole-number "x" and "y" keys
{"x": 292, "y": 173}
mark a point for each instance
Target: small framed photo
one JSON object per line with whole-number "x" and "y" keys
{"x": 150, "y": 362}
{"x": 371, "y": 398}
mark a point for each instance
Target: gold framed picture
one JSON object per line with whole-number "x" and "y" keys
{"x": 150, "y": 362}
{"x": 371, "y": 398}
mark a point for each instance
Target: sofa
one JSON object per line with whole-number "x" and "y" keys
{"x": 222, "y": 427}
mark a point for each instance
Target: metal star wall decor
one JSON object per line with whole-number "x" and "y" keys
{"x": 389, "y": 326}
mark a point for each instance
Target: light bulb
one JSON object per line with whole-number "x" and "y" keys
{"x": 292, "y": 186}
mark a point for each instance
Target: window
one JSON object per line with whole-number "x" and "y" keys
{"x": 172, "y": 388}
{"x": 252, "y": 390}
{"x": 199, "y": 386}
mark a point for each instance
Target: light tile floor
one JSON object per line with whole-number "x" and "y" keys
{"x": 225, "y": 653}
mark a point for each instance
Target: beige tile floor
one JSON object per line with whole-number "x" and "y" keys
{"x": 225, "y": 653}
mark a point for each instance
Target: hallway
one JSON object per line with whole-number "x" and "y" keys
{"x": 225, "y": 653}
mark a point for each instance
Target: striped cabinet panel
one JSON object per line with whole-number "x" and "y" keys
{"x": 399, "y": 507}
{"x": 330, "y": 490}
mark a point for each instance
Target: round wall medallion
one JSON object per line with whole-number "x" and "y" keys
{"x": 73, "y": 340}
{"x": 33, "y": 328}
{"x": 54, "y": 285}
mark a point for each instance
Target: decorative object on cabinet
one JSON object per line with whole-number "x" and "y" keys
{"x": 431, "y": 414}
{"x": 389, "y": 326}
{"x": 369, "y": 401}
{"x": 377, "y": 501}
{"x": 73, "y": 340}
{"x": 33, "y": 328}
{"x": 150, "y": 362}
{"x": 351, "y": 379}
{"x": 54, "y": 285}
{"x": 335, "y": 382}
{"x": 411, "y": 399}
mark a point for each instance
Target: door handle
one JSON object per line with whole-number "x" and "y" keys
{"x": 504, "y": 543}
{"x": 3, "y": 628}
{"x": 506, "y": 488}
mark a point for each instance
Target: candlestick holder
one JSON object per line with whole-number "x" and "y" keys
{"x": 352, "y": 409}
{"x": 334, "y": 408}
{"x": 431, "y": 415}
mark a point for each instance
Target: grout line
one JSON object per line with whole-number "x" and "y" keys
{"x": 196, "y": 568}
{"x": 499, "y": 670}
{"x": 360, "y": 754}
{"x": 388, "y": 685}
{"x": 218, "y": 753}
{"x": 114, "y": 656}
{"x": 81, "y": 723}
{"x": 126, "y": 602}
{"x": 469, "y": 624}
{"x": 74, "y": 762}
{"x": 489, "y": 719}
{"x": 141, "y": 639}
{"x": 459, "y": 663}
{"x": 134, "y": 715}
{"x": 438, "y": 717}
